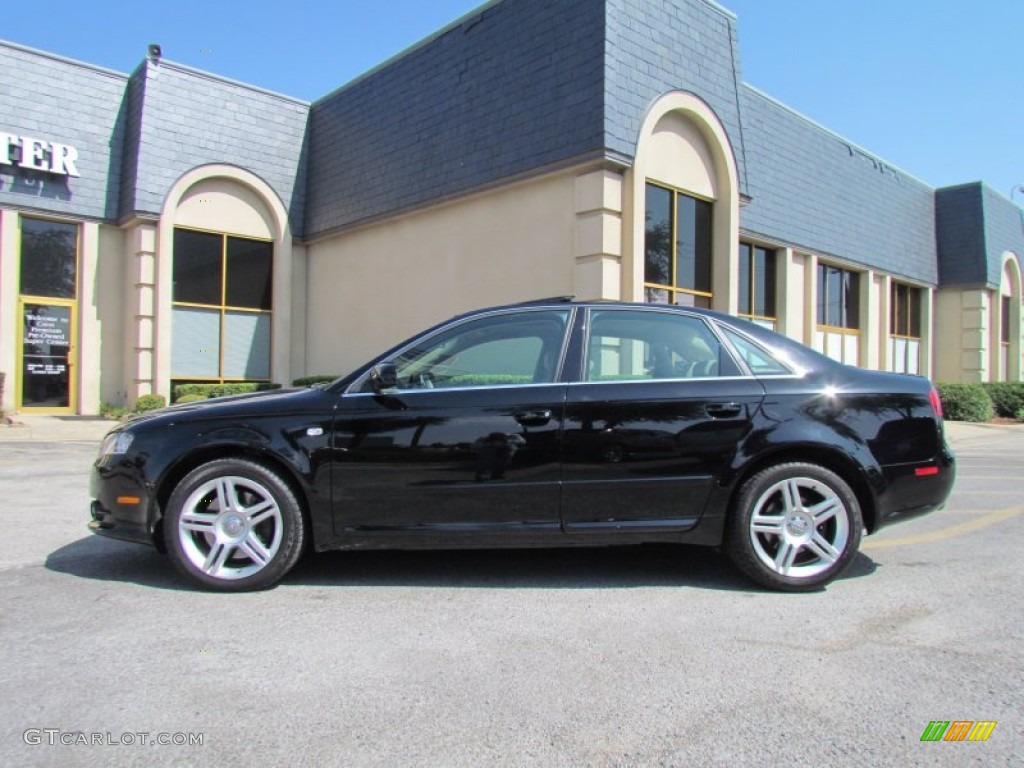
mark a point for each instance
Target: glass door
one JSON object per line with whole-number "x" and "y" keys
{"x": 46, "y": 316}
{"x": 47, "y": 355}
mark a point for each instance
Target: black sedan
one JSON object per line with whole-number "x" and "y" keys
{"x": 547, "y": 424}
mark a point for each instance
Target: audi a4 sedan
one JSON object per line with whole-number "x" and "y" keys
{"x": 546, "y": 424}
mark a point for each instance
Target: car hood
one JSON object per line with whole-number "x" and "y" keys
{"x": 234, "y": 406}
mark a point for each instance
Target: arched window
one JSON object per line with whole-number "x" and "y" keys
{"x": 677, "y": 248}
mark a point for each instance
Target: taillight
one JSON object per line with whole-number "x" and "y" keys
{"x": 936, "y": 401}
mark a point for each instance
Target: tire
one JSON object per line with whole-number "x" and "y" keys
{"x": 794, "y": 527}
{"x": 233, "y": 525}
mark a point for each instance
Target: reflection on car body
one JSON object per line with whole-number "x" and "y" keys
{"x": 554, "y": 423}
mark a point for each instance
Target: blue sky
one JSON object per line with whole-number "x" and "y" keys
{"x": 936, "y": 87}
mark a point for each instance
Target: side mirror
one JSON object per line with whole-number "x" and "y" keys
{"x": 384, "y": 376}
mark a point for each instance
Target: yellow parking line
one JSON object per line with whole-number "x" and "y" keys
{"x": 947, "y": 533}
{"x": 960, "y": 491}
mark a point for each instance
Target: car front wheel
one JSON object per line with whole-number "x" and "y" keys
{"x": 234, "y": 525}
{"x": 795, "y": 527}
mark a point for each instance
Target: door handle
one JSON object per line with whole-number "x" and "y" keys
{"x": 723, "y": 410}
{"x": 533, "y": 418}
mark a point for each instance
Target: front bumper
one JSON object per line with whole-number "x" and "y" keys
{"x": 122, "y": 507}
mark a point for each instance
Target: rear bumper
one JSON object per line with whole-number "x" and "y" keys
{"x": 916, "y": 489}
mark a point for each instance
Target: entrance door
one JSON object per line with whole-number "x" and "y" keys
{"x": 47, "y": 355}
{"x": 46, "y": 316}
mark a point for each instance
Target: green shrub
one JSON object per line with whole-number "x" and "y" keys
{"x": 193, "y": 398}
{"x": 1007, "y": 397}
{"x": 965, "y": 402}
{"x": 219, "y": 390}
{"x": 111, "y": 411}
{"x": 308, "y": 381}
{"x": 1020, "y": 415}
{"x": 149, "y": 403}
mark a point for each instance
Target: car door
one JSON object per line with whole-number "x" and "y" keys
{"x": 468, "y": 439}
{"x": 655, "y": 418}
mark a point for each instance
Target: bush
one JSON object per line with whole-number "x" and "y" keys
{"x": 1020, "y": 415}
{"x": 149, "y": 403}
{"x": 1007, "y": 397}
{"x": 219, "y": 390}
{"x": 111, "y": 411}
{"x": 965, "y": 402}
{"x": 308, "y": 381}
{"x": 194, "y": 398}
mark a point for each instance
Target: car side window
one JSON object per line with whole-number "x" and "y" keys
{"x": 493, "y": 351}
{"x": 626, "y": 345}
{"x": 760, "y": 362}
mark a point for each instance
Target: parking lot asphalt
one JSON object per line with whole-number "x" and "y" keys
{"x": 636, "y": 656}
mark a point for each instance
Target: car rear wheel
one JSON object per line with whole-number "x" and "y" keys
{"x": 234, "y": 525}
{"x": 795, "y": 527}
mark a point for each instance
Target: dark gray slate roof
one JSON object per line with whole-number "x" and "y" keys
{"x": 976, "y": 226}
{"x": 51, "y": 98}
{"x": 515, "y": 87}
{"x": 812, "y": 188}
{"x": 191, "y": 118}
{"x": 656, "y": 46}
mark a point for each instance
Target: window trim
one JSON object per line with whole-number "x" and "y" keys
{"x": 821, "y": 299}
{"x": 773, "y": 253}
{"x": 77, "y": 224}
{"x": 673, "y": 256}
{"x": 224, "y": 308}
{"x": 1005, "y": 319}
{"x": 896, "y": 284}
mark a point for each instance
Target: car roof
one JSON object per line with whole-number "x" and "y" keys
{"x": 562, "y": 301}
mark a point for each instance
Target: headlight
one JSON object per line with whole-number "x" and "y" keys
{"x": 115, "y": 443}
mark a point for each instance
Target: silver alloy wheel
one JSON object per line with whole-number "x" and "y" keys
{"x": 230, "y": 527}
{"x": 799, "y": 528}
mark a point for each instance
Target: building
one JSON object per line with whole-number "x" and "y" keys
{"x": 170, "y": 225}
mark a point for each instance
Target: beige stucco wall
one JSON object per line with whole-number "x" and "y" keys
{"x": 372, "y": 287}
{"x": 224, "y": 205}
{"x": 962, "y": 320}
{"x": 108, "y": 293}
{"x": 8, "y": 303}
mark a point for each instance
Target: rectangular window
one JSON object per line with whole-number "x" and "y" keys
{"x": 49, "y": 258}
{"x": 838, "y": 297}
{"x": 222, "y": 288}
{"x": 904, "y": 328}
{"x": 837, "y": 334}
{"x": 1004, "y": 325}
{"x": 677, "y": 248}
{"x": 757, "y": 284}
